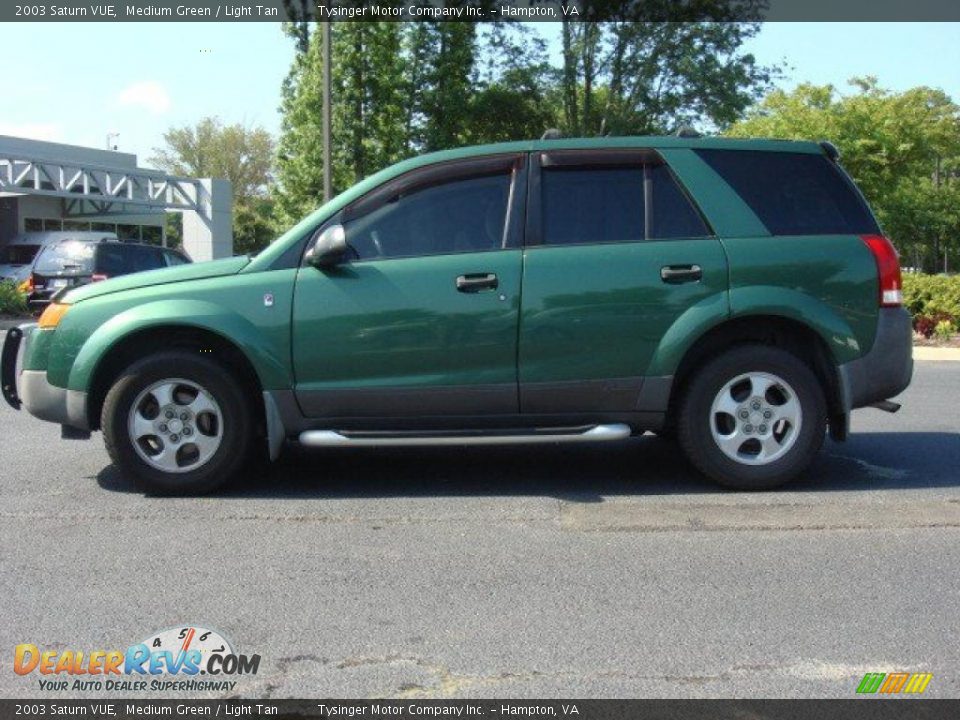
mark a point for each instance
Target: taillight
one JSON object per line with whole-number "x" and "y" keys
{"x": 97, "y": 277}
{"x": 888, "y": 269}
{"x": 26, "y": 287}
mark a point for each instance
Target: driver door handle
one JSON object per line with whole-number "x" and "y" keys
{"x": 475, "y": 282}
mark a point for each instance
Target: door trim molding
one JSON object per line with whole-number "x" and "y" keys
{"x": 406, "y": 401}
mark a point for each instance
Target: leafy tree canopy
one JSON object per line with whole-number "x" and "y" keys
{"x": 242, "y": 155}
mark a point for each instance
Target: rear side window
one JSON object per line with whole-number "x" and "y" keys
{"x": 794, "y": 193}
{"x": 672, "y": 213}
{"x": 616, "y": 204}
{"x": 592, "y": 205}
{"x": 143, "y": 257}
{"x": 111, "y": 260}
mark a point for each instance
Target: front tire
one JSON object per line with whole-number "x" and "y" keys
{"x": 753, "y": 418}
{"x": 177, "y": 424}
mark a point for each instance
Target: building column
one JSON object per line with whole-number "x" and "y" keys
{"x": 208, "y": 231}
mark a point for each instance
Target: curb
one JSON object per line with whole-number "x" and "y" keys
{"x": 935, "y": 354}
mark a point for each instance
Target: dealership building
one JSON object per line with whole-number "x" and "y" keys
{"x": 52, "y": 186}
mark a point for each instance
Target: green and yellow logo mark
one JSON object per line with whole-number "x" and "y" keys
{"x": 891, "y": 683}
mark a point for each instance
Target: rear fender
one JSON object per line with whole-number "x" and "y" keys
{"x": 777, "y": 301}
{"x": 766, "y": 301}
{"x": 692, "y": 324}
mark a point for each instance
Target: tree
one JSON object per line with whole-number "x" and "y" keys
{"x": 634, "y": 78}
{"x": 401, "y": 88}
{"x": 444, "y": 55}
{"x": 299, "y": 182}
{"x": 242, "y": 155}
{"x": 902, "y": 149}
{"x": 369, "y": 92}
{"x": 512, "y": 98}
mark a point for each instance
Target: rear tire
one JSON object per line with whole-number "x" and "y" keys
{"x": 753, "y": 418}
{"x": 177, "y": 424}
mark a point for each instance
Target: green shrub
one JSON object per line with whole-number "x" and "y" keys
{"x": 931, "y": 300}
{"x": 12, "y": 301}
{"x": 945, "y": 329}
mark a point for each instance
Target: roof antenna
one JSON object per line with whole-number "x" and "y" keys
{"x": 552, "y": 134}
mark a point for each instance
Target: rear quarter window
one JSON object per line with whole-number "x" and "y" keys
{"x": 794, "y": 193}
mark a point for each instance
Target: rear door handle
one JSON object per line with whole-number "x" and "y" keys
{"x": 475, "y": 282}
{"x": 675, "y": 274}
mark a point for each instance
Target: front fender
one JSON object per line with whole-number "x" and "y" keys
{"x": 266, "y": 359}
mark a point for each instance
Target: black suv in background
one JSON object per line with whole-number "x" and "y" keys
{"x": 73, "y": 262}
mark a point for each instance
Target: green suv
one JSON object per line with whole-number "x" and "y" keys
{"x": 734, "y": 294}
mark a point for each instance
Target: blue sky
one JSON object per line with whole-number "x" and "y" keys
{"x": 75, "y": 83}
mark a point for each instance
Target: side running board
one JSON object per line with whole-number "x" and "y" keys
{"x": 595, "y": 433}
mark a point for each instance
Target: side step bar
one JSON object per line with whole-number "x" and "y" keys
{"x": 595, "y": 433}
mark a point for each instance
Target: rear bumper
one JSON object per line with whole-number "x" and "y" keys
{"x": 31, "y": 389}
{"x": 39, "y": 299}
{"x": 884, "y": 371}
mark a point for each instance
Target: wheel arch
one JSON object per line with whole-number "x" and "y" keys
{"x": 208, "y": 328}
{"x": 788, "y": 333}
{"x": 145, "y": 341}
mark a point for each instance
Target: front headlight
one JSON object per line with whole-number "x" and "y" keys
{"x": 52, "y": 315}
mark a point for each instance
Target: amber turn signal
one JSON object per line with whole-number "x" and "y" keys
{"x": 52, "y": 315}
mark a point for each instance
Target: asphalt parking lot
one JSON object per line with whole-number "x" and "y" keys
{"x": 513, "y": 572}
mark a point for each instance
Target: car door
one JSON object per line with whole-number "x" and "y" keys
{"x": 423, "y": 320}
{"x": 616, "y": 253}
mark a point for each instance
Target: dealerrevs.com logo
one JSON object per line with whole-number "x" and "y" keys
{"x": 172, "y": 659}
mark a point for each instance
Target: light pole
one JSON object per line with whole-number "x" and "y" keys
{"x": 327, "y": 170}
{"x": 110, "y": 137}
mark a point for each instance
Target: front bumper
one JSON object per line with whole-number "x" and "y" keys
{"x": 31, "y": 389}
{"x": 884, "y": 371}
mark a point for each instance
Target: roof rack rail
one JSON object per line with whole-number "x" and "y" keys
{"x": 685, "y": 131}
{"x": 830, "y": 149}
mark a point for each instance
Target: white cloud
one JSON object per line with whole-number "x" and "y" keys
{"x": 147, "y": 94}
{"x": 34, "y": 131}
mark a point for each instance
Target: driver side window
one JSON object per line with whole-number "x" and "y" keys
{"x": 459, "y": 216}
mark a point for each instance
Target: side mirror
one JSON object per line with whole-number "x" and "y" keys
{"x": 330, "y": 249}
